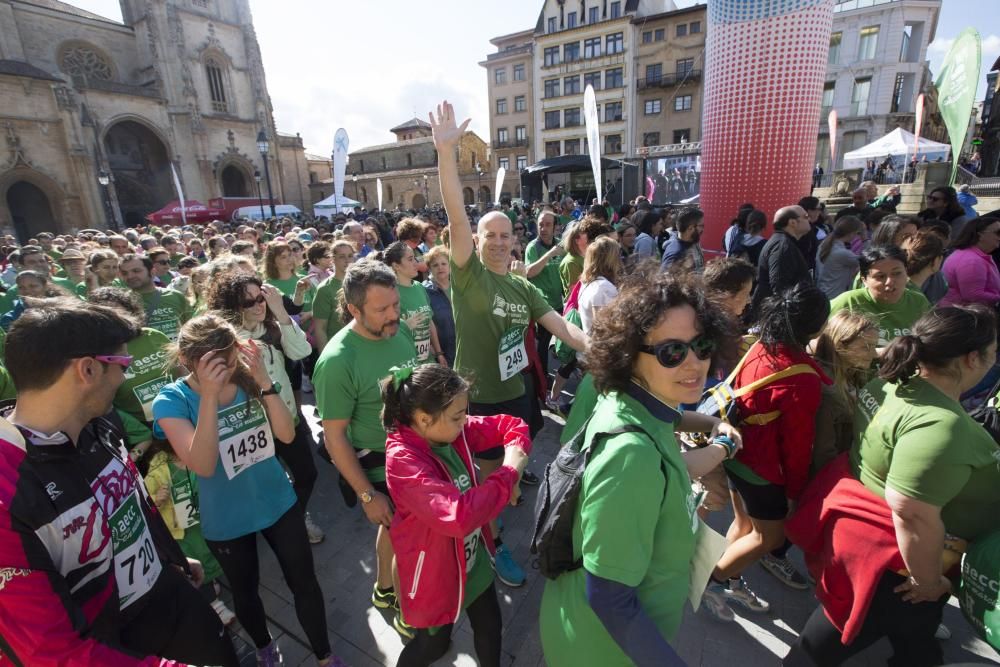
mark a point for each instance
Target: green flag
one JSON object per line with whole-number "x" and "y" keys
{"x": 956, "y": 86}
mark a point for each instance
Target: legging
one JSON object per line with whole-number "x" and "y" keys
{"x": 487, "y": 626}
{"x": 298, "y": 456}
{"x": 289, "y": 542}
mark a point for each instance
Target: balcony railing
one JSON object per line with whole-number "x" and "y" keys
{"x": 515, "y": 143}
{"x": 669, "y": 80}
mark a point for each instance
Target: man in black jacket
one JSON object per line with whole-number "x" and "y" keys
{"x": 781, "y": 264}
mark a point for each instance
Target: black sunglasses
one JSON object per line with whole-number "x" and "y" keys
{"x": 250, "y": 303}
{"x": 671, "y": 353}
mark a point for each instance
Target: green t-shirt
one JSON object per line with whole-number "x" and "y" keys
{"x": 893, "y": 319}
{"x": 287, "y": 287}
{"x": 166, "y": 310}
{"x": 325, "y": 305}
{"x": 147, "y": 374}
{"x": 923, "y": 444}
{"x": 414, "y": 302}
{"x": 135, "y": 431}
{"x": 635, "y": 523}
{"x": 79, "y": 289}
{"x": 478, "y": 573}
{"x": 346, "y": 381}
{"x": 176, "y": 258}
{"x": 570, "y": 269}
{"x": 7, "y": 388}
{"x": 547, "y": 280}
{"x": 492, "y": 312}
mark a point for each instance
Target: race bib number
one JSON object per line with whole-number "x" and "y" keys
{"x": 423, "y": 346}
{"x": 244, "y": 437}
{"x": 512, "y": 356}
{"x": 471, "y": 546}
{"x": 137, "y": 565}
{"x": 146, "y": 392}
{"x": 186, "y": 512}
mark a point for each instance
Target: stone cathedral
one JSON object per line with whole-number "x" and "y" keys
{"x": 85, "y": 100}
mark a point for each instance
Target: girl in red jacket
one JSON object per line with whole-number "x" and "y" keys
{"x": 437, "y": 531}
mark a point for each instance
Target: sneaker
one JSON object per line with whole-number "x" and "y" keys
{"x": 784, "y": 571}
{"x": 225, "y": 614}
{"x": 269, "y": 656}
{"x": 507, "y": 569}
{"x": 741, "y": 594}
{"x": 714, "y": 600}
{"x": 333, "y": 661}
{"x": 384, "y": 599}
{"x": 554, "y": 407}
{"x": 307, "y": 386}
{"x": 402, "y": 627}
{"x": 315, "y": 533}
{"x": 529, "y": 478}
{"x": 942, "y": 632}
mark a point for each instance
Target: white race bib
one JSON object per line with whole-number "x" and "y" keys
{"x": 245, "y": 437}
{"x": 511, "y": 355}
{"x": 186, "y": 511}
{"x": 137, "y": 565}
{"x": 471, "y": 546}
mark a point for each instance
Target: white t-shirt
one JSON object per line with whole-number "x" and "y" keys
{"x": 594, "y": 296}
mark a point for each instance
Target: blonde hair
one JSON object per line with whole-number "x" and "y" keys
{"x": 603, "y": 260}
{"x": 843, "y": 328}
{"x": 206, "y": 333}
{"x": 434, "y": 253}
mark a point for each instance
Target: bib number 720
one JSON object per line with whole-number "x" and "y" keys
{"x": 143, "y": 558}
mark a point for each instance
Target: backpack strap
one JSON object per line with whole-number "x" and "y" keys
{"x": 797, "y": 369}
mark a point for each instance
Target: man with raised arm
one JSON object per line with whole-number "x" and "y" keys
{"x": 493, "y": 308}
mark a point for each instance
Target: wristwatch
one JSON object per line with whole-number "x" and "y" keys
{"x": 273, "y": 390}
{"x": 367, "y": 496}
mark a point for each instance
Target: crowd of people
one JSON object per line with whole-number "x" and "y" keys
{"x": 813, "y": 379}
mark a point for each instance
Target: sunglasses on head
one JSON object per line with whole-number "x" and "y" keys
{"x": 123, "y": 360}
{"x": 671, "y": 353}
{"x": 256, "y": 301}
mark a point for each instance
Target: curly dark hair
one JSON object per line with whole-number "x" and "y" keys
{"x": 227, "y": 294}
{"x": 121, "y": 298}
{"x": 621, "y": 327}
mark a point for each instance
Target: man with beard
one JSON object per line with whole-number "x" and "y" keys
{"x": 684, "y": 245}
{"x": 349, "y": 400}
{"x": 543, "y": 273}
{"x": 166, "y": 309}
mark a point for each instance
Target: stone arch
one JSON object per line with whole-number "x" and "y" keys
{"x": 139, "y": 158}
{"x": 85, "y": 62}
{"x": 484, "y": 194}
{"x": 469, "y": 196}
{"x": 30, "y": 202}
{"x": 234, "y": 181}
{"x": 418, "y": 202}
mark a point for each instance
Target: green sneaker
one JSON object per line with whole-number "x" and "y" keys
{"x": 401, "y": 626}
{"x": 384, "y": 598}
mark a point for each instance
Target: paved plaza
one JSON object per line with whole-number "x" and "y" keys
{"x": 364, "y": 636}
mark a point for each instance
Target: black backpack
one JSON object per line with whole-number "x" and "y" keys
{"x": 988, "y": 415}
{"x": 555, "y": 505}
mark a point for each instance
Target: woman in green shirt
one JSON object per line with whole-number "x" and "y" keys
{"x": 414, "y": 304}
{"x": 279, "y": 270}
{"x": 634, "y": 525}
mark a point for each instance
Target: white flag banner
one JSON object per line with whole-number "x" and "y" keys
{"x": 593, "y": 137}
{"x": 180, "y": 193}
{"x": 340, "y": 145}
{"x": 501, "y": 174}
{"x": 378, "y": 189}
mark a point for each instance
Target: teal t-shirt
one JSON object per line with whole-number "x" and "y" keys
{"x": 260, "y": 493}
{"x": 415, "y": 307}
{"x": 893, "y": 320}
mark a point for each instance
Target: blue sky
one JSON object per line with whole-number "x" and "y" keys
{"x": 367, "y": 66}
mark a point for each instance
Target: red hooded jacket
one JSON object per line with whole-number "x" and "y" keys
{"x": 433, "y": 517}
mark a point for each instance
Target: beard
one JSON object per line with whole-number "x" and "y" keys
{"x": 387, "y": 330}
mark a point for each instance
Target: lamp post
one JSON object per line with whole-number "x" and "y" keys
{"x": 104, "y": 179}
{"x": 354, "y": 177}
{"x": 263, "y": 146}
{"x": 427, "y": 196}
{"x": 479, "y": 186}
{"x": 260, "y": 200}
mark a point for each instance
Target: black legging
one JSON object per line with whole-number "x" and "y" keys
{"x": 289, "y": 542}
{"x": 298, "y": 456}
{"x": 487, "y": 626}
{"x": 909, "y": 628}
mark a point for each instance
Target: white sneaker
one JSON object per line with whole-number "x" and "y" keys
{"x": 307, "y": 386}
{"x": 315, "y": 533}
{"x": 741, "y": 594}
{"x": 225, "y": 614}
{"x": 714, "y": 600}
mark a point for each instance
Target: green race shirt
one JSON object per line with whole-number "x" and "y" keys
{"x": 346, "y": 381}
{"x": 287, "y": 287}
{"x": 414, "y": 302}
{"x": 325, "y": 305}
{"x": 166, "y": 310}
{"x": 893, "y": 319}
{"x": 570, "y": 269}
{"x": 923, "y": 444}
{"x": 635, "y": 523}
{"x": 547, "y": 280}
{"x": 146, "y": 375}
{"x": 492, "y": 311}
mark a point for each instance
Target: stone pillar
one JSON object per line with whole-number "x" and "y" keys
{"x": 764, "y": 70}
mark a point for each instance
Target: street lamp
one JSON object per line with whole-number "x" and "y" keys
{"x": 354, "y": 177}
{"x": 260, "y": 200}
{"x": 104, "y": 179}
{"x": 427, "y": 196}
{"x": 263, "y": 146}
{"x": 479, "y": 186}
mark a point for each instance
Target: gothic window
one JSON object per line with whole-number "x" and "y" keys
{"x": 216, "y": 85}
{"x": 84, "y": 63}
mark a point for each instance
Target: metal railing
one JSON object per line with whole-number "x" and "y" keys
{"x": 669, "y": 80}
{"x": 515, "y": 143}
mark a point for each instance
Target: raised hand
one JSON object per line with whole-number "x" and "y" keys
{"x": 254, "y": 361}
{"x": 445, "y": 131}
{"x": 212, "y": 372}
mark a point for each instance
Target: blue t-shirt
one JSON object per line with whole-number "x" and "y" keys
{"x": 252, "y": 500}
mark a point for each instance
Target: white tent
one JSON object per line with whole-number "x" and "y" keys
{"x": 898, "y": 144}
{"x": 333, "y": 205}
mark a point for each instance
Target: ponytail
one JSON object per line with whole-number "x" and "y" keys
{"x": 900, "y": 360}
{"x": 429, "y": 388}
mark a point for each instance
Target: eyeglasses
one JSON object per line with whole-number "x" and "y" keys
{"x": 672, "y": 353}
{"x": 123, "y": 360}
{"x": 250, "y": 303}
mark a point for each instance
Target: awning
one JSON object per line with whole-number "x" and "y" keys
{"x": 194, "y": 210}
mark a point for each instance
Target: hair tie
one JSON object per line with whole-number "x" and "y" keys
{"x": 399, "y": 376}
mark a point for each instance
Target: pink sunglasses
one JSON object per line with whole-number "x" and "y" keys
{"x": 123, "y": 360}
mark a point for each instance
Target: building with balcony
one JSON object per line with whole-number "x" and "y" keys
{"x": 877, "y": 68}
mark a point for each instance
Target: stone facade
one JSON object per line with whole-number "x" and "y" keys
{"x": 179, "y": 83}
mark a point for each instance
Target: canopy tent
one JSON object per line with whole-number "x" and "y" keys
{"x": 898, "y": 144}
{"x": 333, "y": 205}
{"x": 194, "y": 211}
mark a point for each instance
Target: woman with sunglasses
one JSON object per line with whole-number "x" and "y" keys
{"x": 778, "y": 422}
{"x": 971, "y": 273}
{"x": 942, "y": 204}
{"x": 650, "y": 351}
{"x": 224, "y": 420}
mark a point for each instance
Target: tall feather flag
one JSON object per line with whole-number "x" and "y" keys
{"x": 180, "y": 193}
{"x": 501, "y": 173}
{"x": 378, "y": 191}
{"x": 593, "y": 137}
{"x": 956, "y": 85}
{"x": 832, "y": 122}
{"x": 340, "y": 145}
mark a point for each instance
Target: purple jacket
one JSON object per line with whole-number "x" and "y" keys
{"x": 972, "y": 277}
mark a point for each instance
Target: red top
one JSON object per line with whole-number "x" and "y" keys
{"x": 779, "y": 451}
